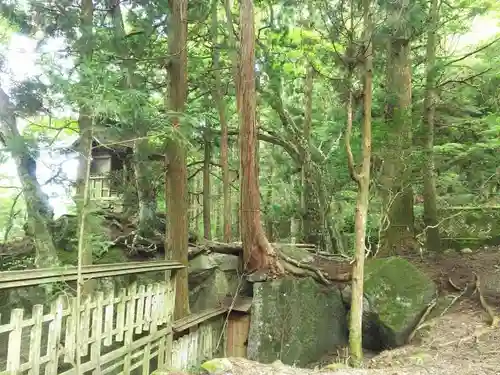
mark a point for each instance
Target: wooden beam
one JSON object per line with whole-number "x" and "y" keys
{"x": 13, "y": 279}
{"x": 195, "y": 319}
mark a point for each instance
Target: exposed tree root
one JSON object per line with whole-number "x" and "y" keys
{"x": 493, "y": 317}
{"x": 476, "y": 288}
{"x": 135, "y": 243}
{"x": 302, "y": 269}
{"x": 420, "y": 323}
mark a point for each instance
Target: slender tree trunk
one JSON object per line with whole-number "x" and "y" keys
{"x": 363, "y": 180}
{"x": 39, "y": 211}
{"x": 207, "y": 189}
{"x": 146, "y": 194}
{"x": 433, "y": 240}
{"x": 233, "y": 52}
{"x": 176, "y": 176}
{"x": 396, "y": 173}
{"x": 85, "y": 48}
{"x": 258, "y": 253}
{"x": 269, "y": 201}
{"x": 312, "y": 225}
{"x": 224, "y": 148}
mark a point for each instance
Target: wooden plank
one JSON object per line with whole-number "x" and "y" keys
{"x": 195, "y": 319}
{"x": 10, "y": 279}
{"x": 54, "y": 337}
{"x": 168, "y": 313}
{"x": 85, "y": 331}
{"x": 15, "y": 336}
{"x": 120, "y": 315}
{"x": 95, "y": 347}
{"x": 147, "y": 307}
{"x": 36, "y": 340}
{"x": 70, "y": 334}
{"x": 239, "y": 303}
{"x": 129, "y": 333}
{"x": 155, "y": 308}
{"x": 108, "y": 319}
{"x": 140, "y": 310}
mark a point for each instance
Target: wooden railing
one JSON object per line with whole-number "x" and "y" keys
{"x": 202, "y": 337}
{"x": 117, "y": 333}
{"x": 100, "y": 188}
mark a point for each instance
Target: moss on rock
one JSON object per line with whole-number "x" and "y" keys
{"x": 296, "y": 321}
{"x": 398, "y": 294}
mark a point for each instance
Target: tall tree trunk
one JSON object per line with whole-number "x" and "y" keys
{"x": 269, "y": 201}
{"x": 363, "y": 180}
{"x": 224, "y": 148}
{"x": 39, "y": 211}
{"x": 85, "y": 49}
{"x": 207, "y": 193}
{"x": 176, "y": 176}
{"x": 312, "y": 224}
{"x": 233, "y": 52}
{"x": 258, "y": 253}
{"x": 146, "y": 194}
{"x": 432, "y": 237}
{"x": 396, "y": 173}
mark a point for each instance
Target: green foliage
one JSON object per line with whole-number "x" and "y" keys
{"x": 124, "y": 85}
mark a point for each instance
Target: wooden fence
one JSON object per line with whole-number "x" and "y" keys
{"x": 118, "y": 333}
{"x": 128, "y": 332}
{"x": 201, "y": 337}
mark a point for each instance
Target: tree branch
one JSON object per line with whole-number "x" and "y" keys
{"x": 472, "y": 52}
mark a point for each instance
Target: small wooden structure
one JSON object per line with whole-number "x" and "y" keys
{"x": 111, "y": 167}
{"x": 238, "y": 326}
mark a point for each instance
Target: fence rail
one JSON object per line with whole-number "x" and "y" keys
{"x": 14, "y": 279}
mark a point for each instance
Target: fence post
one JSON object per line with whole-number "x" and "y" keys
{"x": 15, "y": 336}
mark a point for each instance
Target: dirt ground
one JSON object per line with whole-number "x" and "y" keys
{"x": 457, "y": 338}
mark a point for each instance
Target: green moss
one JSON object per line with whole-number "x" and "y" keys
{"x": 397, "y": 291}
{"x": 217, "y": 366}
{"x": 296, "y": 321}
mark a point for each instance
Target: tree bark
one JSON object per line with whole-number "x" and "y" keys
{"x": 146, "y": 194}
{"x": 432, "y": 237}
{"x": 363, "y": 180}
{"x": 85, "y": 49}
{"x": 233, "y": 53}
{"x": 258, "y": 253}
{"x": 396, "y": 173}
{"x": 207, "y": 224}
{"x": 224, "y": 145}
{"x": 176, "y": 175}
{"x": 39, "y": 211}
{"x": 312, "y": 224}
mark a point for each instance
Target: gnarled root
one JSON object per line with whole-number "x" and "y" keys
{"x": 493, "y": 317}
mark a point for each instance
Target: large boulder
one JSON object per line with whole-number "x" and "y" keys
{"x": 296, "y": 321}
{"x": 212, "y": 277}
{"x": 396, "y": 294}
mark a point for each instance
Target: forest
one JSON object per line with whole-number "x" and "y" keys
{"x": 144, "y": 130}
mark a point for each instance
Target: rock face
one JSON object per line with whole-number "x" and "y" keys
{"x": 296, "y": 321}
{"x": 396, "y": 296}
{"x": 212, "y": 277}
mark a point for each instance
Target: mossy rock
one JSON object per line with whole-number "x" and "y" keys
{"x": 217, "y": 366}
{"x": 295, "y": 320}
{"x": 398, "y": 294}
